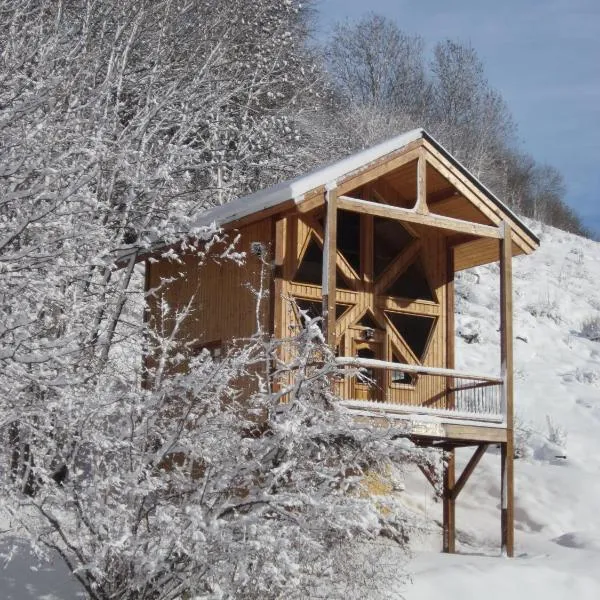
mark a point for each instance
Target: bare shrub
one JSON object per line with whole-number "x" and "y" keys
{"x": 590, "y": 328}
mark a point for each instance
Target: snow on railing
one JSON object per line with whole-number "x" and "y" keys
{"x": 404, "y": 388}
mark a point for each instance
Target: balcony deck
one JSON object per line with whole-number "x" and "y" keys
{"x": 464, "y": 408}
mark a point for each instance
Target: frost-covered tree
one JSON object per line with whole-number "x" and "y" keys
{"x": 188, "y": 486}
{"x": 118, "y": 122}
{"x": 374, "y": 63}
{"x": 382, "y": 83}
{"x": 468, "y": 114}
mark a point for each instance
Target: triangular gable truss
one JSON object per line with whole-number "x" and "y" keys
{"x": 474, "y": 241}
{"x": 433, "y": 155}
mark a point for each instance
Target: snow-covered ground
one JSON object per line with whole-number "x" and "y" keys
{"x": 557, "y": 393}
{"x": 557, "y": 405}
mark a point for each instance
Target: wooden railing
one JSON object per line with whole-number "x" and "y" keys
{"x": 413, "y": 389}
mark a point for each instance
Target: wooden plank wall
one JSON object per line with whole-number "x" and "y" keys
{"x": 223, "y": 306}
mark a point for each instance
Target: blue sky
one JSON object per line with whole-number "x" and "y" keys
{"x": 542, "y": 55}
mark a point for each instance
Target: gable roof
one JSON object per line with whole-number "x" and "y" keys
{"x": 295, "y": 190}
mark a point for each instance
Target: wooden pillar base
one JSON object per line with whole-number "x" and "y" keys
{"x": 449, "y": 506}
{"x": 452, "y": 488}
{"x": 507, "y": 524}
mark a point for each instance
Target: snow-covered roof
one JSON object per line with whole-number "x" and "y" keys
{"x": 328, "y": 176}
{"x": 295, "y": 189}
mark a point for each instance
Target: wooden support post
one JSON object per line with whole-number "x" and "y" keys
{"x": 506, "y": 353}
{"x": 452, "y": 488}
{"x": 329, "y": 266}
{"x": 449, "y": 501}
{"x": 279, "y": 274}
{"x": 449, "y": 506}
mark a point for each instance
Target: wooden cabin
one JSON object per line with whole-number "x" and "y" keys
{"x": 372, "y": 243}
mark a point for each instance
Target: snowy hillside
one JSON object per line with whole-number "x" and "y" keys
{"x": 557, "y": 405}
{"x": 557, "y": 395}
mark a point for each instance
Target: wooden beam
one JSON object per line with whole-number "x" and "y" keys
{"x": 468, "y": 470}
{"x": 426, "y": 470}
{"x": 419, "y": 307}
{"x": 287, "y": 207}
{"x": 385, "y": 199}
{"x": 311, "y": 201}
{"x": 407, "y": 215}
{"x": 493, "y": 435}
{"x": 373, "y": 363}
{"x": 506, "y": 356}
{"x": 421, "y": 205}
{"x": 329, "y": 266}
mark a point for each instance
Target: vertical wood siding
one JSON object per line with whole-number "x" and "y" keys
{"x": 223, "y": 306}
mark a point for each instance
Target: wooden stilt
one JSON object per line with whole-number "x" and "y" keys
{"x": 506, "y": 352}
{"x": 449, "y": 507}
{"x": 507, "y": 511}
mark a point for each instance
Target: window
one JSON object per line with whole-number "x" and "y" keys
{"x": 400, "y": 377}
{"x": 412, "y": 284}
{"x": 367, "y": 372}
{"x": 390, "y": 239}
{"x": 310, "y": 269}
{"x": 314, "y": 308}
{"x": 214, "y": 349}
{"x": 368, "y": 320}
{"x": 415, "y": 330}
{"x": 348, "y": 238}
